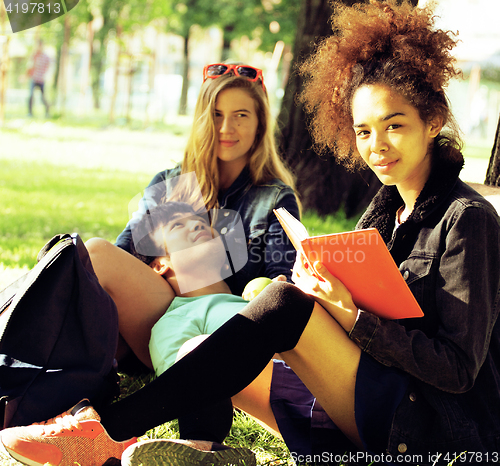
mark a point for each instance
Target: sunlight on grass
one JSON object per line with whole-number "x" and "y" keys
{"x": 478, "y": 148}
{"x": 40, "y": 200}
{"x": 48, "y": 200}
{"x": 10, "y": 274}
{"x": 335, "y": 223}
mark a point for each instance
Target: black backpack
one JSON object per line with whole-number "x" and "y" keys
{"x": 58, "y": 337}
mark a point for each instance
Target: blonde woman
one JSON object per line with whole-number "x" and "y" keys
{"x": 231, "y": 150}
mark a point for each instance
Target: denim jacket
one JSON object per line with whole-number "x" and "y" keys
{"x": 449, "y": 253}
{"x": 270, "y": 253}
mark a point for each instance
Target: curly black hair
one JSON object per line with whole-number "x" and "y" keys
{"x": 380, "y": 42}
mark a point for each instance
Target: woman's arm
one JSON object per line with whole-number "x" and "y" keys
{"x": 466, "y": 297}
{"x": 152, "y": 196}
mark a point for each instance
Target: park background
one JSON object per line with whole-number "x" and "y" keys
{"x": 122, "y": 84}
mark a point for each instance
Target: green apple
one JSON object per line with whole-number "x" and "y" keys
{"x": 254, "y": 287}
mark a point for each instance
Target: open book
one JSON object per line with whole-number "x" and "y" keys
{"x": 361, "y": 261}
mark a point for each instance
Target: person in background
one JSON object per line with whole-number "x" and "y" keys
{"x": 37, "y": 72}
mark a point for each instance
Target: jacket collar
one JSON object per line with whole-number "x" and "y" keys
{"x": 242, "y": 183}
{"x": 381, "y": 213}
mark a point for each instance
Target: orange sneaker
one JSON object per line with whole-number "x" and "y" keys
{"x": 74, "y": 437}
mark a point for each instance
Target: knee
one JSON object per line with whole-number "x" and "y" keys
{"x": 190, "y": 345}
{"x": 96, "y": 246}
{"x": 99, "y": 252}
{"x": 282, "y": 310}
{"x": 281, "y": 295}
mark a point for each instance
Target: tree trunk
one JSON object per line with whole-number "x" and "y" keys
{"x": 85, "y": 76}
{"x": 116, "y": 75}
{"x": 185, "y": 77}
{"x": 130, "y": 86}
{"x": 110, "y": 13}
{"x": 58, "y": 45}
{"x": 4, "y": 66}
{"x": 324, "y": 186}
{"x": 493, "y": 173}
{"x": 97, "y": 64}
{"x": 226, "y": 43}
{"x": 63, "y": 66}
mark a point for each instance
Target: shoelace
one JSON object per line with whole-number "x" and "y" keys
{"x": 60, "y": 424}
{"x": 52, "y": 420}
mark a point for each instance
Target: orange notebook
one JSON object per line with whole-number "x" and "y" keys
{"x": 361, "y": 261}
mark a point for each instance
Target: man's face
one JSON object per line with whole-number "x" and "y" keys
{"x": 184, "y": 231}
{"x": 194, "y": 267}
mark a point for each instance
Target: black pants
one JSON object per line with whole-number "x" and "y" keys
{"x": 44, "y": 100}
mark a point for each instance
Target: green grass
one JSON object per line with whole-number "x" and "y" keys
{"x": 40, "y": 200}
{"x": 480, "y": 149}
{"x": 245, "y": 431}
{"x": 335, "y": 223}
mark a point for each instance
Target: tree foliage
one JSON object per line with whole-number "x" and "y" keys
{"x": 121, "y": 19}
{"x": 265, "y": 20}
{"x": 236, "y": 18}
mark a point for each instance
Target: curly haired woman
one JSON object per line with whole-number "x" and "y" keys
{"x": 414, "y": 391}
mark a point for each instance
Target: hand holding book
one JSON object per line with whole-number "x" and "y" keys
{"x": 362, "y": 262}
{"x": 327, "y": 290}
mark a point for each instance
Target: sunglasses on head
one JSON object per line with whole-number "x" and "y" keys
{"x": 219, "y": 69}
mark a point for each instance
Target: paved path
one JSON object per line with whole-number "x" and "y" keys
{"x": 112, "y": 148}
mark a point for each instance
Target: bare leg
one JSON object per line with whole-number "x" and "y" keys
{"x": 141, "y": 295}
{"x": 327, "y": 361}
{"x": 255, "y": 400}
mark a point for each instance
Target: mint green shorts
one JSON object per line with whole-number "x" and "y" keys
{"x": 187, "y": 318}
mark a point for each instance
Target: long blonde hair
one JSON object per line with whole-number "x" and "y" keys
{"x": 264, "y": 162}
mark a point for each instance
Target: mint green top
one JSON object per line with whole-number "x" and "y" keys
{"x": 187, "y": 318}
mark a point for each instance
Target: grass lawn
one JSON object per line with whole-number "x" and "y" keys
{"x": 477, "y": 154}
